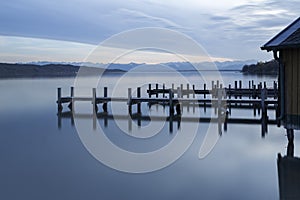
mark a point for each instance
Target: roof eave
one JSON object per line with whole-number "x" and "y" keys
{"x": 279, "y": 47}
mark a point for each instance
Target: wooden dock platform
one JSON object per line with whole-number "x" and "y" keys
{"x": 259, "y": 98}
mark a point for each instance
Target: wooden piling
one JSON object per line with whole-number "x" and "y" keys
{"x": 171, "y": 107}
{"x": 70, "y": 106}
{"x": 181, "y": 90}
{"x": 129, "y": 102}
{"x": 193, "y": 91}
{"x": 139, "y": 111}
{"x": 156, "y": 87}
{"x": 204, "y": 88}
{"x": 59, "y": 104}
{"x": 240, "y": 87}
{"x": 95, "y": 108}
{"x": 188, "y": 91}
{"x": 72, "y": 92}
{"x": 235, "y": 88}
{"x": 226, "y": 121}
{"x": 104, "y": 106}
{"x": 149, "y": 89}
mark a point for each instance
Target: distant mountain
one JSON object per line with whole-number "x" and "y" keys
{"x": 65, "y": 69}
{"x": 179, "y": 66}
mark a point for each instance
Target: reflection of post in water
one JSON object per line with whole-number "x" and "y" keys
{"x": 289, "y": 171}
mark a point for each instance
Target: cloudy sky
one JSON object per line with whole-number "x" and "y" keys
{"x": 67, "y": 30}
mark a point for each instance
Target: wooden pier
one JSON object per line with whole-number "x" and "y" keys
{"x": 259, "y": 98}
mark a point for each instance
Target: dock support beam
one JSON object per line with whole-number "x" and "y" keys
{"x": 59, "y": 104}
{"x": 139, "y": 110}
{"x": 95, "y": 107}
{"x": 171, "y": 103}
{"x": 129, "y": 101}
{"x": 104, "y": 106}
{"x": 70, "y": 106}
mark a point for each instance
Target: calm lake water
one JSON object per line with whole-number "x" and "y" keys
{"x": 39, "y": 160}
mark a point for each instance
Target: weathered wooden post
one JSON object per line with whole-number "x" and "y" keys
{"x": 181, "y": 90}
{"x": 95, "y": 108}
{"x": 72, "y": 92}
{"x": 226, "y": 121}
{"x": 149, "y": 90}
{"x": 139, "y": 103}
{"x": 70, "y": 106}
{"x": 254, "y": 92}
{"x": 129, "y": 101}
{"x": 104, "y": 106}
{"x": 164, "y": 87}
{"x": 240, "y": 89}
{"x": 193, "y": 91}
{"x": 264, "y": 109}
{"x": 204, "y": 90}
{"x": 59, "y": 103}
{"x": 219, "y": 106}
{"x": 249, "y": 89}
{"x": 171, "y": 107}
{"x": 188, "y": 91}
{"x": 235, "y": 89}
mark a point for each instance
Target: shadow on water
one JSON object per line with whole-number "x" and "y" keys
{"x": 289, "y": 172}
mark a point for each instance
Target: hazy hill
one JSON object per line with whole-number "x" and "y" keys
{"x": 48, "y": 70}
{"x": 262, "y": 68}
{"x": 61, "y": 69}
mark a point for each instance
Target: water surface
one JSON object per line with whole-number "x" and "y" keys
{"x": 39, "y": 160}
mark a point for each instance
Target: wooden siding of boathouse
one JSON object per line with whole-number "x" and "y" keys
{"x": 290, "y": 59}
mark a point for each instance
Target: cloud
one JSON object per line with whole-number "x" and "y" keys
{"x": 248, "y": 26}
{"x": 146, "y": 19}
{"x": 222, "y": 30}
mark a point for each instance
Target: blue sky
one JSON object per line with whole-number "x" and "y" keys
{"x": 67, "y": 30}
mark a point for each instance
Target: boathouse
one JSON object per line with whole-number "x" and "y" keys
{"x": 286, "y": 50}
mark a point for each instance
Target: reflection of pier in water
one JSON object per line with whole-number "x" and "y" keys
{"x": 259, "y": 98}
